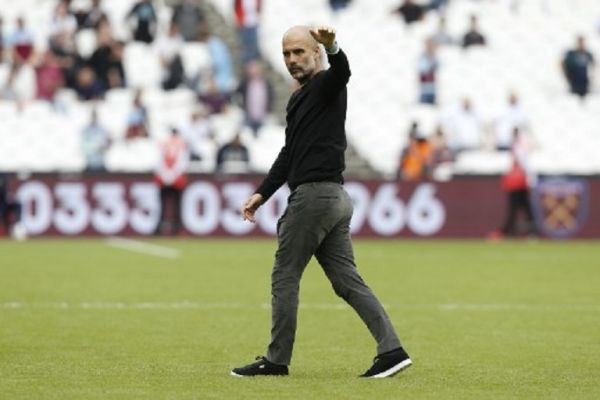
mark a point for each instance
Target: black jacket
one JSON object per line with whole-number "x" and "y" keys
{"x": 315, "y": 137}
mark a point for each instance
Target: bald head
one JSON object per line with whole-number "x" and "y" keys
{"x": 300, "y": 33}
{"x": 301, "y": 53}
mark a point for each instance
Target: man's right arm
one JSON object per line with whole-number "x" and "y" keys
{"x": 275, "y": 178}
{"x": 277, "y": 175}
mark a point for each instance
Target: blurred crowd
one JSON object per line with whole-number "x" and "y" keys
{"x": 42, "y": 72}
{"x": 463, "y": 127}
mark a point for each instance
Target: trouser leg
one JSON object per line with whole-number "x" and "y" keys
{"x": 511, "y": 215}
{"x": 296, "y": 246}
{"x": 531, "y": 227}
{"x": 336, "y": 256}
{"x": 176, "y": 210}
{"x": 163, "y": 205}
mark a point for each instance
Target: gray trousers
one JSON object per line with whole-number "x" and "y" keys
{"x": 317, "y": 222}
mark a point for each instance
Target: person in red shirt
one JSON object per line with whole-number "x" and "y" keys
{"x": 517, "y": 183}
{"x": 49, "y": 77}
{"x": 171, "y": 178}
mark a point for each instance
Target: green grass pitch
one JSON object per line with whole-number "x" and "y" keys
{"x": 87, "y": 319}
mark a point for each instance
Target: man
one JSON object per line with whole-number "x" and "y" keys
{"x": 256, "y": 96}
{"x": 427, "y": 66}
{"x": 233, "y": 157}
{"x": 473, "y": 37}
{"x": 411, "y": 11}
{"x": 317, "y": 218}
{"x": 514, "y": 116}
{"x": 189, "y": 17}
{"x": 578, "y": 67}
{"x": 95, "y": 141}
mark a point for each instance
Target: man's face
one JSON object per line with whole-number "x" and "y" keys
{"x": 301, "y": 55}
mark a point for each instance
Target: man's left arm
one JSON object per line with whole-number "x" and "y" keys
{"x": 338, "y": 75}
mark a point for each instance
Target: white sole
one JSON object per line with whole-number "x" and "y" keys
{"x": 394, "y": 370}
{"x": 248, "y": 376}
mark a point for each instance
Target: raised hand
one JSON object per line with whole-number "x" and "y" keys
{"x": 324, "y": 35}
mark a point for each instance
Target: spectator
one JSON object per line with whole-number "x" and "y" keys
{"x": 222, "y": 66}
{"x": 247, "y": 16}
{"x": 416, "y": 159}
{"x": 473, "y": 37}
{"x": 171, "y": 178}
{"x": 63, "y": 24}
{"x": 188, "y": 16}
{"x": 137, "y": 121}
{"x": 513, "y": 117}
{"x": 145, "y": 19}
{"x": 169, "y": 47}
{"x": 21, "y": 42}
{"x": 233, "y": 157}
{"x": 427, "y": 67}
{"x": 88, "y": 87}
{"x": 49, "y": 77}
{"x": 67, "y": 56}
{"x": 256, "y": 96}
{"x": 107, "y": 59}
{"x": 100, "y": 60}
{"x": 577, "y": 66}
{"x": 10, "y": 210}
{"x": 92, "y": 18}
{"x": 198, "y": 134}
{"x": 441, "y": 37}
{"x": 212, "y": 98}
{"x": 410, "y": 11}
{"x": 464, "y": 128}
{"x": 94, "y": 143}
{"x": 517, "y": 183}
{"x": 116, "y": 71}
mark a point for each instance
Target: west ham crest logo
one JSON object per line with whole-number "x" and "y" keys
{"x": 560, "y": 206}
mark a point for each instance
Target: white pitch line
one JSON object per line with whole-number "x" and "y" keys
{"x": 519, "y": 307}
{"x": 142, "y": 247}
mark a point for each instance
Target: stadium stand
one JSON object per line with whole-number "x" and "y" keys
{"x": 523, "y": 53}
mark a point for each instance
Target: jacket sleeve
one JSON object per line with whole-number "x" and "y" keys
{"x": 276, "y": 177}
{"x": 337, "y": 76}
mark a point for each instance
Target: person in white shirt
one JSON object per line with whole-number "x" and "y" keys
{"x": 514, "y": 116}
{"x": 199, "y": 136}
{"x": 464, "y": 128}
{"x": 62, "y": 21}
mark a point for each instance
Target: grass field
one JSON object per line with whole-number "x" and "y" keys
{"x": 89, "y": 319}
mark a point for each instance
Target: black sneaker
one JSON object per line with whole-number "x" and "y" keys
{"x": 388, "y": 364}
{"x": 262, "y": 366}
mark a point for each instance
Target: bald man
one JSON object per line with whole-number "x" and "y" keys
{"x": 317, "y": 218}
